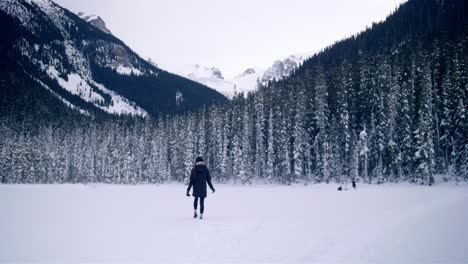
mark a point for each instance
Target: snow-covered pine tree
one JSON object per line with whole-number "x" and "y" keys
{"x": 237, "y": 150}
{"x": 364, "y": 153}
{"x": 447, "y": 98}
{"x": 246, "y": 169}
{"x": 343, "y": 125}
{"x": 270, "y": 163}
{"x": 424, "y": 138}
{"x": 284, "y": 146}
{"x": 216, "y": 141}
{"x": 379, "y": 119}
{"x": 260, "y": 148}
{"x": 5, "y": 153}
{"x": 225, "y": 163}
{"x": 321, "y": 115}
{"x": 458, "y": 99}
{"x": 355, "y": 161}
{"x": 393, "y": 154}
{"x": 461, "y": 141}
{"x": 436, "y": 60}
{"x": 405, "y": 119}
{"x": 300, "y": 135}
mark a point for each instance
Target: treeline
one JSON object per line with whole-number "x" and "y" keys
{"x": 366, "y": 109}
{"x": 394, "y": 116}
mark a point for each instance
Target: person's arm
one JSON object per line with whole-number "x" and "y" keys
{"x": 190, "y": 183}
{"x": 208, "y": 179}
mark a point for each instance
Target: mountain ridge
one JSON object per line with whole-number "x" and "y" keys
{"x": 80, "y": 62}
{"x": 94, "y": 20}
{"x": 244, "y": 82}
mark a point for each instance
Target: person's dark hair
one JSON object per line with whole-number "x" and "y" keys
{"x": 198, "y": 159}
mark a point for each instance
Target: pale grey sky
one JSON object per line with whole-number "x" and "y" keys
{"x": 232, "y": 35}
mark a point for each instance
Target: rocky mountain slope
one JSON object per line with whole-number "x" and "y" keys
{"x": 85, "y": 67}
{"x": 95, "y": 21}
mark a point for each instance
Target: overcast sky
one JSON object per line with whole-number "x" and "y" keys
{"x": 232, "y": 35}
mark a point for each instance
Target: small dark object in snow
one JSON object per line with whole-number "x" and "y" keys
{"x": 354, "y": 184}
{"x": 340, "y": 188}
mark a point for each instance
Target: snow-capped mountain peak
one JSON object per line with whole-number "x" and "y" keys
{"x": 94, "y": 20}
{"x": 197, "y": 71}
{"x": 283, "y": 68}
{"x": 246, "y": 72}
{"x": 245, "y": 81}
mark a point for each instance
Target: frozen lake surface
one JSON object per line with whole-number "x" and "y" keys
{"x": 243, "y": 224}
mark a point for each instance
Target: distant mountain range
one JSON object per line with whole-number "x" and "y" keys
{"x": 213, "y": 77}
{"x": 77, "y": 60}
{"x": 243, "y": 82}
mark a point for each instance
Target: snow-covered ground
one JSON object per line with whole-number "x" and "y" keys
{"x": 243, "y": 224}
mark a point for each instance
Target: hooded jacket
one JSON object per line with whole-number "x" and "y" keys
{"x": 199, "y": 177}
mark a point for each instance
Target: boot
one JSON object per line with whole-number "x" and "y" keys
{"x": 195, "y": 214}
{"x": 201, "y": 216}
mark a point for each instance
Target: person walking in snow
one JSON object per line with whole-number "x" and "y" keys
{"x": 199, "y": 177}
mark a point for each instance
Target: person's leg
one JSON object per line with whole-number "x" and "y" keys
{"x": 202, "y": 204}
{"x": 195, "y": 202}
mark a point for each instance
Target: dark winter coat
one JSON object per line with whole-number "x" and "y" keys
{"x": 199, "y": 177}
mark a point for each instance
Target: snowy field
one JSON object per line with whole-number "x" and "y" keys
{"x": 243, "y": 224}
